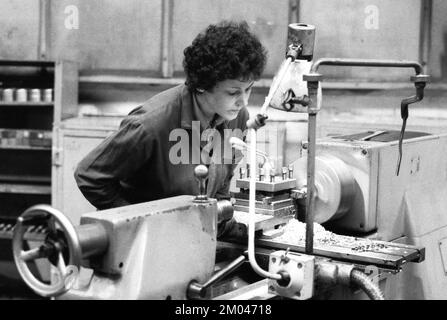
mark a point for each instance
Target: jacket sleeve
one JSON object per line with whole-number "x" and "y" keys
{"x": 118, "y": 157}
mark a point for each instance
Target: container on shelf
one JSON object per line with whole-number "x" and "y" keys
{"x": 21, "y": 95}
{"x": 8, "y": 95}
{"x": 35, "y": 95}
{"x": 48, "y": 95}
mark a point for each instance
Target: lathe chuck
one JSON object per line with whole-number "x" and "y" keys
{"x": 334, "y": 184}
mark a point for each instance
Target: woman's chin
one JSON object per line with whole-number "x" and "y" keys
{"x": 230, "y": 116}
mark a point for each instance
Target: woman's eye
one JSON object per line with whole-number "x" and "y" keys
{"x": 233, "y": 93}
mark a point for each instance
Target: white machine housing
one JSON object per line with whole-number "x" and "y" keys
{"x": 409, "y": 208}
{"x": 155, "y": 250}
{"x": 378, "y": 192}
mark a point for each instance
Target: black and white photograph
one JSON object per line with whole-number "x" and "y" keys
{"x": 232, "y": 157}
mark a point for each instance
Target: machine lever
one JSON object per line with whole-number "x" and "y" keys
{"x": 420, "y": 81}
{"x": 197, "y": 290}
{"x": 201, "y": 174}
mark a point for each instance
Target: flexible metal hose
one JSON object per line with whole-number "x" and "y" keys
{"x": 365, "y": 283}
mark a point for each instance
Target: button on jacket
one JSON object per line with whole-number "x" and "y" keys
{"x": 136, "y": 164}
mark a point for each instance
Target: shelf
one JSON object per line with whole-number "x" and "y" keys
{"x": 11, "y": 147}
{"x": 27, "y": 104}
{"x": 25, "y": 179}
{"x": 27, "y": 63}
{"x": 25, "y": 188}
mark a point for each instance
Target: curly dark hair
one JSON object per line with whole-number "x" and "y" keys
{"x": 227, "y": 50}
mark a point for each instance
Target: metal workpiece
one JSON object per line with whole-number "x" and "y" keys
{"x": 366, "y": 63}
{"x": 302, "y": 37}
{"x": 197, "y": 291}
{"x": 299, "y": 193}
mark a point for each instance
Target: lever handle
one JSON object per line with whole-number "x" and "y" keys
{"x": 201, "y": 174}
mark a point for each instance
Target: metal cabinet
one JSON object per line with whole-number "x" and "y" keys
{"x": 27, "y": 117}
{"x": 75, "y": 138}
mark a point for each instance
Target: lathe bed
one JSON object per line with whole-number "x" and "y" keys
{"x": 378, "y": 253}
{"x": 364, "y": 251}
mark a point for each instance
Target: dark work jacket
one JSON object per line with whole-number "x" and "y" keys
{"x": 133, "y": 165}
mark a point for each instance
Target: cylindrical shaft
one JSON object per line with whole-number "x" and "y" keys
{"x": 310, "y": 212}
{"x": 92, "y": 238}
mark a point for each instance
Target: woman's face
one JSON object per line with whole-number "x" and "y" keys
{"x": 226, "y": 98}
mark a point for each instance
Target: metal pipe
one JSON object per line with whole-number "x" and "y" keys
{"x": 252, "y": 214}
{"x": 366, "y": 63}
{"x": 196, "y": 290}
{"x": 364, "y": 282}
{"x": 310, "y": 201}
{"x": 93, "y": 239}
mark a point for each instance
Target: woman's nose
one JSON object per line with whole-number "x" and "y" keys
{"x": 243, "y": 99}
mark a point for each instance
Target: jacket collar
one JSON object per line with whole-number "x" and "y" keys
{"x": 191, "y": 111}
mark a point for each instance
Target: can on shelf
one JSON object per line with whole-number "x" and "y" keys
{"x": 35, "y": 95}
{"x": 8, "y": 95}
{"x": 48, "y": 95}
{"x": 21, "y": 95}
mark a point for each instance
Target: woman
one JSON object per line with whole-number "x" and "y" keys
{"x": 141, "y": 161}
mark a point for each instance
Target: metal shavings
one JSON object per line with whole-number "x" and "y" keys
{"x": 295, "y": 234}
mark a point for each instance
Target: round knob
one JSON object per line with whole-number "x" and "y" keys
{"x": 201, "y": 171}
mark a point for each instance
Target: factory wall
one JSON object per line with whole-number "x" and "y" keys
{"x": 121, "y": 36}
{"x": 19, "y": 29}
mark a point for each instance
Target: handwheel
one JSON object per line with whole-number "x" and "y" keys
{"x": 52, "y": 249}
